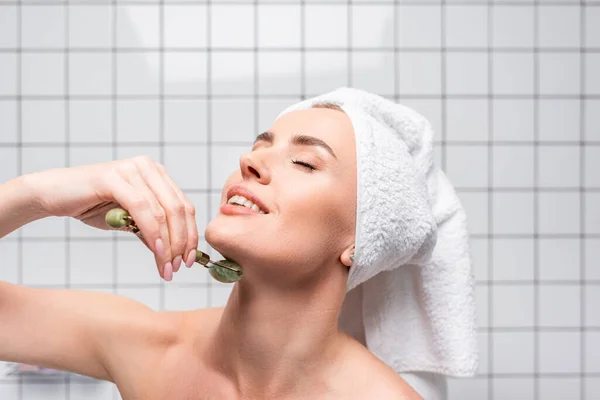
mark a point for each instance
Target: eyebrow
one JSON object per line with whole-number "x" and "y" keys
{"x": 299, "y": 140}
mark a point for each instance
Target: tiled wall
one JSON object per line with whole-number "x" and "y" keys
{"x": 511, "y": 87}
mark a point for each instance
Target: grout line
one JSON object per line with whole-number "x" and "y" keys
{"x": 67, "y": 103}
{"x": 490, "y": 198}
{"x": 536, "y": 198}
{"x": 161, "y": 111}
{"x": 114, "y": 137}
{"x": 582, "y": 200}
{"x": 511, "y": 3}
{"x": 209, "y": 104}
{"x": 20, "y": 151}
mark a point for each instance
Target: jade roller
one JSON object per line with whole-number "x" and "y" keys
{"x": 225, "y": 271}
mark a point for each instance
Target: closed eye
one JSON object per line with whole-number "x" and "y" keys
{"x": 304, "y": 164}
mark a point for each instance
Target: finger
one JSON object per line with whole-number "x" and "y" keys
{"x": 152, "y": 222}
{"x": 170, "y": 202}
{"x": 190, "y": 215}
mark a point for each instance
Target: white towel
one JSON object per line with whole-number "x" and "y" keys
{"x": 410, "y": 293}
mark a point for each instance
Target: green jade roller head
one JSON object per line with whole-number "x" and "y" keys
{"x": 225, "y": 271}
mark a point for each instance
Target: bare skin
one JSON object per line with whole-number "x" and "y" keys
{"x": 277, "y": 337}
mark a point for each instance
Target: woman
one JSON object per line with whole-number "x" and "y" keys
{"x": 278, "y": 336}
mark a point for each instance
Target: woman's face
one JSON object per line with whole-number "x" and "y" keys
{"x": 302, "y": 175}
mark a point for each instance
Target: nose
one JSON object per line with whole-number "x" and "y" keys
{"x": 254, "y": 168}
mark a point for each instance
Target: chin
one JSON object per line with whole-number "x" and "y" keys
{"x": 219, "y": 236}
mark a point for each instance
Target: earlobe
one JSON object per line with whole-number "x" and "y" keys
{"x": 347, "y": 256}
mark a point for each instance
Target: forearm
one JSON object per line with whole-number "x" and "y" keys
{"x": 18, "y": 205}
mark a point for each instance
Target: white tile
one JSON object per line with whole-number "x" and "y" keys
{"x": 51, "y": 227}
{"x": 185, "y": 26}
{"x": 279, "y": 73}
{"x": 90, "y": 73}
{"x": 592, "y": 259}
{"x": 410, "y": 22}
{"x": 559, "y": 73}
{"x": 592, "y": 213}
{"x": 513, "y": 119}
{"x": 513, "y": 213}
{"x": 513, "y": 74}
{"x": 431, "y": 109}
{"x": 474, "y": 388}
{"x": 187, "y": 166}
{"x": 228, "y": 129}
{"x": 592, "y": 299}
{"x": 8, "y": 121}
{"x": 559, "y": 388}
{"x": 42, "y": 27}
{"x": 41, "y": 74}
{"x": 152, "y": 151}
{"x": 559, "y": 26}
{"x": 9, "y": 264}
{"x": 185, "y": 298}
{"x": 225, "y": 161}
{"x": 559, "y": 352}
{"x": 10, "y": 390}
{"x": 559, "y": 306}
{"x": 513, "y": 166}
{"x": 185, "y": 120}
{"x": 373, "y": 72}
{"x": 89, "y": 155}
{"x": 43, "y": 121}
{"x": 467, "y": 119}
{"x": 40, "y": 272}
{"x": 88, "y": 391}
{"x": 592, "y": 354}
{"x": 467, "y": 166}
{"x": 90, "y": 121}
{"x": 558, "y": 166}
{"x": 10, "y": 163}
{"x": 8, "y": 26}
{"x": 592, "y": 120}
{"x": 90, "y": 25}
{"x": 592, "y": 28}
{"x": 326, "y": 25}
{"x": 513, "y": 26}
{"x": 137, "y": 73}
{"x": 466, "y": 73}
{"x": 135, "y": 263}
{"x": 592, "y": 166}
{"x": 8, "y": 78}
{"x": 476, "y": 208}
{"x": 233, "y": 73}
{"x": 466, "y": 26}
{"x": 46, "y": 391}
{"x": 592, "y": 387}
{"x": 559, "y": 120}
{"x": 419, "y": 73}
{"x": 138, "y": 26}
{"x": 482, "y": 306}
{"x": 592, "y": 74}
{"x": 185, "y": 73}
{"x": 279, "y": 25}
{"x": 513, "y": 306}
{"x": 513, "y": 352}
{"x": 558, "y": 213}
{"x": 219, "y": 295}
{"x": 215, "y": 203}
{"x": 197, "y": 273}
{"x": 137, "y": 121}
{"x": 268, "y": 110}
{"x": 149, "y": 296}
{"x": 325, "y": 71}
{"x": 372, "y": 26}
{"x": 559, "y": 259}
{"x": 232, "y": 26}
{"x": 513, "y": 388}
{"x": 39, "y": 159}
{"x": 479, "y": 258}
{"x": 91, "y": 262}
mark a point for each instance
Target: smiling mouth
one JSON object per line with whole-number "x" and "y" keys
{"x": 244, "y": 202}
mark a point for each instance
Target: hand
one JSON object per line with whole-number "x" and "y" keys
{"x": 165, "y": 216}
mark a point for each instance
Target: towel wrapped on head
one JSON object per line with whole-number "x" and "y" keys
{"x": 410, "y": 288}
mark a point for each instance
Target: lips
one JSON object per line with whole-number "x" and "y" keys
{"x": 239, "y": 190}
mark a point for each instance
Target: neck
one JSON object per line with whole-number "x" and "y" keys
{"x": 270, "y": 341}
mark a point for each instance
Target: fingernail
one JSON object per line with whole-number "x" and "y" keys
{"x": 176, "y": 263}
{"x": 159, "y": 248}
{"x": 168, "y": 273}
{"x": 189, "y": 261}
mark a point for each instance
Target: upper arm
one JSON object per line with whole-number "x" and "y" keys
{"x": 78, "y": 331}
